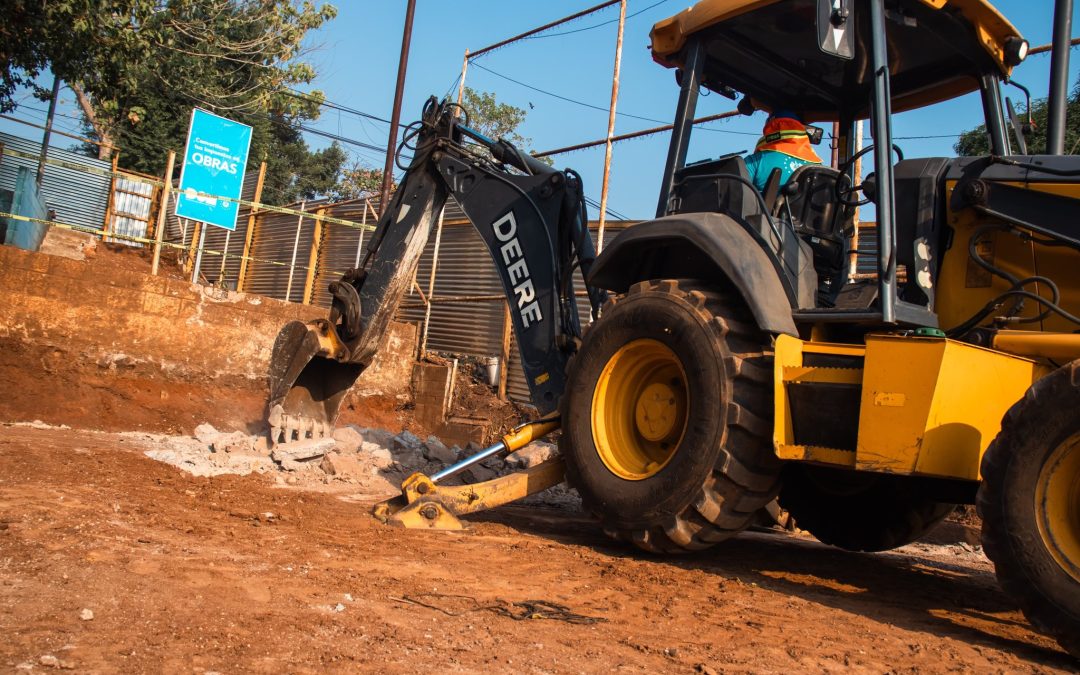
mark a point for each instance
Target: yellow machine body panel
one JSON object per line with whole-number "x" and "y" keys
{"x": 925, "y": 406}
{"x": 964, "y": 287}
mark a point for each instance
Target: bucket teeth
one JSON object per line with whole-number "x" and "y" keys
{"x": 286, "y": 428}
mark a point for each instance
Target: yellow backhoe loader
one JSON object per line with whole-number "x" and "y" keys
{"x": 733, "y": 357}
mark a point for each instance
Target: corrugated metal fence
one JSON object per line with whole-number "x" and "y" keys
{"x": 75, "y": 187}
{"x": 293, "y": 253}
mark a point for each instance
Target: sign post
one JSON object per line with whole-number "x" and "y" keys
{"x": 214, "y": 162}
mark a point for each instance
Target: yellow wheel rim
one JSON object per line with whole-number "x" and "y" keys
{"x": 1057, "y": 505}
{"x": 639, "y": 409}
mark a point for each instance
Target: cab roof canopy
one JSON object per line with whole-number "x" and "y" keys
{"x": 769, "y": 51}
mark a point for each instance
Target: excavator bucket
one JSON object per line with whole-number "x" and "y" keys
{"x": 308, "y": 380}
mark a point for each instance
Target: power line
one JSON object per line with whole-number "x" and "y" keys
{"x": 330, "y": 104}
{"x": 599, "y": 25}
{"x": 600, "y": 108}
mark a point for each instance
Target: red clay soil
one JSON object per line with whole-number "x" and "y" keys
{"x": 62, "y": 386}
{"x": 232, "y": 574}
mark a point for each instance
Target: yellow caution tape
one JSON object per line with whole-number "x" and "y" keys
{"x": 140, "y": 240}
{"x": 157, "y": 183}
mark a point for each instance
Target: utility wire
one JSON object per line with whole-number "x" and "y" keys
{"x": 601, "y": 108}
{"x": 599, "y": 25}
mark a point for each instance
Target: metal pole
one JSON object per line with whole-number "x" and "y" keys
{"x": 224, "y": 257}
{"x": 196, "y": 269}
{"x": 296, "y": 243}
{"x": 48, "y": 132}
{"x": 395, "y": 117}
{"x": 1059, "y": 78}
{"x": 360, "y": 244}
{"x": 461, "y": 84}
{"x": 163, "y": 212}
{"x": 431, "y": 283}
{"x": 881, "y": 128}
{"x": 610, "y": 128}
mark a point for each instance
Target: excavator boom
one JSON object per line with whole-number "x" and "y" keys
{"x": 532, "y": 219}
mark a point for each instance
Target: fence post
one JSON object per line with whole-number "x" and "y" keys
{"x": 196, "y": 269}
{"x": 250, "y": 233}
{"x": 196, "y": 230}
{"x": 107, "y": 225}
{"x": 504, "y": 363}
{"x": 360, "y": 244}
{"x": 313, "y": 258}
{"x": 431, "y": 284}
{"x": 296, "y": 244}
{"x": 163, "y": 211}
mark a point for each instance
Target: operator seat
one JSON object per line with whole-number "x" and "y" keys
{"x": 808, "y": 201}
{"x": 723, "y": 185}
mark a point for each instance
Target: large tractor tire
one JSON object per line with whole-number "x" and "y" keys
{"x": 1029, "y": 502}
{"x": 667, "y": 418}
{"x": 859, "y": 511}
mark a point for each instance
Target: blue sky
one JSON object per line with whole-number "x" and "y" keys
{"x": 356, "y": 56}
{"x": 357, "y": 53}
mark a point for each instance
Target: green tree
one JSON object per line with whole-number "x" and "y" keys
{"x": 137, "y": 67}
{"x": 496, "y": 120}
{"x": 358, "y": 180}
{"x": 976, "y": 142}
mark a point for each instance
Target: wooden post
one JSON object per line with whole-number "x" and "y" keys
{"x": 313, "y": 258}
{"x": 163, "y": 212}
{"x": 107, "y": 225}
{"x": 610, "y": 129}
{"x": 504, "y": 362}
{"x": 249, "y": 235}
{"x": 196, "y": 230}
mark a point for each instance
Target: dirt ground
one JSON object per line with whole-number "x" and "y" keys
{"x": 111, "y": 562}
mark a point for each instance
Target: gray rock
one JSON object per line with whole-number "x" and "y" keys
{"x": 378, "y": 436}
{"x": 478, "y": 473}
{"x": 349, "y": 438}
{"x": 206, "y": 433}
{"x": 237, "y": 442}
{"x": 86, "y": 615}
{"x": 341, "y": 465}
{"x": 290, "y": 454}
{"x": 436, "y": 451}
{"x": 405, "y": 441}
{"x": 532, "y": 455}
{"x": 381, "y": 458}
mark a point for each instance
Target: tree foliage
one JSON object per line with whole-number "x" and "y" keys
{"x": 137, "y": 68}
{"x": 496, "y": 120}
{"x": 977, "y": 142}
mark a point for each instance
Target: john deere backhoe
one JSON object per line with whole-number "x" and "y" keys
{"x": 736, "y": 359}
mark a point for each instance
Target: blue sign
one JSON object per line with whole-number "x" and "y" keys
{"x": 214, "y": 164}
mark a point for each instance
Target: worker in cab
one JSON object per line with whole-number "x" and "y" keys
{"x": 785, "y": 144}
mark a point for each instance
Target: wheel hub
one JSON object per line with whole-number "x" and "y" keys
{"x": 639, "y": 409}
{"x": 656, "y": 412}
{"x": 1057, "y": 503}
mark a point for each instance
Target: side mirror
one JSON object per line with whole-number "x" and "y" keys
{"x": 836, "y": 27}
{"x": 815, "y": 134}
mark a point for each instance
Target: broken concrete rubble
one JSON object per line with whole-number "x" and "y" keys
{"x": 375, "y": 459}
{"x": 436, "y": 451}
{"x": 532, "y": 455}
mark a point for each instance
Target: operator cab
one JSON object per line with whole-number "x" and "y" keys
{"x": 818, "y": 57}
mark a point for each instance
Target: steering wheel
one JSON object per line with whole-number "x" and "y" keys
{"x": 843, "y": 190}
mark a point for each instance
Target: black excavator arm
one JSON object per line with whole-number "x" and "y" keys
{"x": 532, "y": 219}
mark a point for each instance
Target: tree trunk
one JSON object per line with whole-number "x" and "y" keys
{"x": 105, "y": 148}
